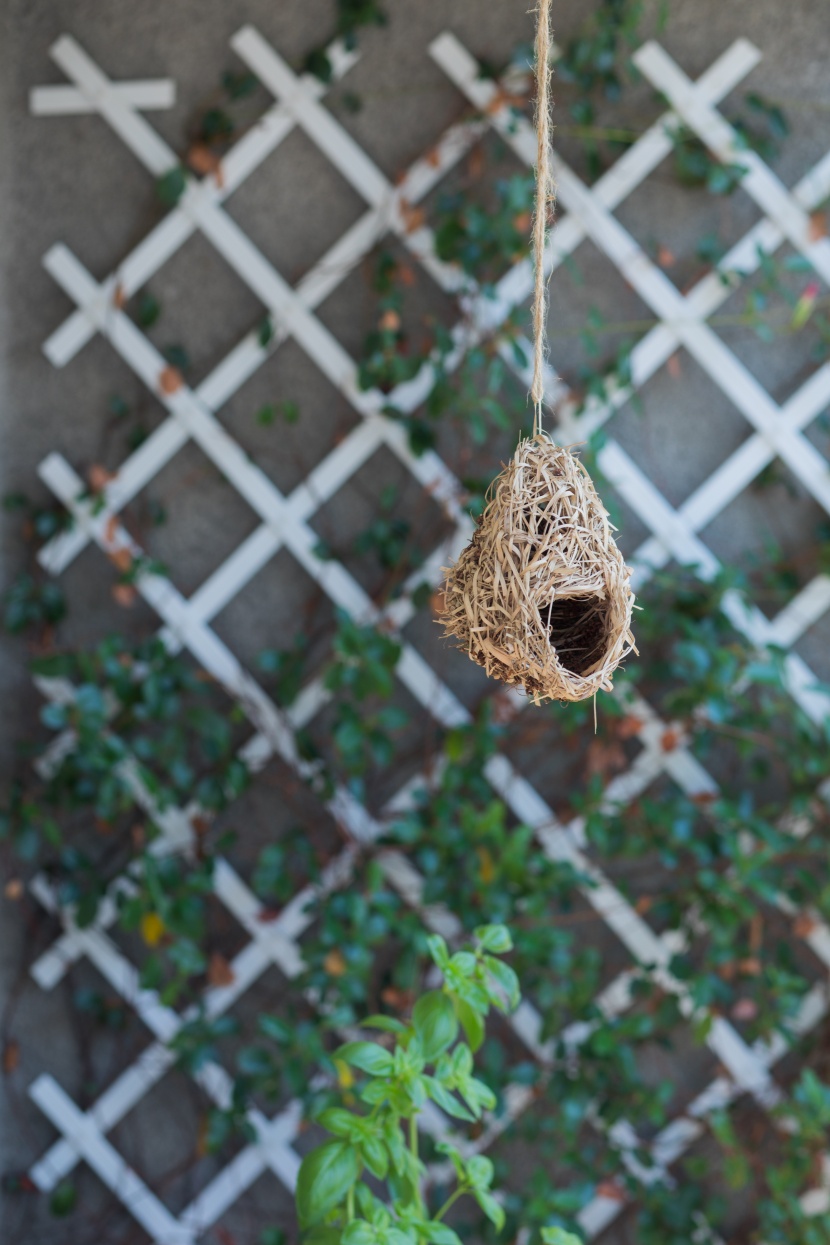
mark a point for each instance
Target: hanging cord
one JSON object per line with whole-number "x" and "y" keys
{"x": 544, "y": 197}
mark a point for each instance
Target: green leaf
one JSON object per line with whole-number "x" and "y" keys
{"x": 494, "y": 938}
{"x": 271, "y": 1236}
{"x": 491, "y": 1208}
{"x": 171, "y": 186}
{"x": 325, "y": 1177}
{"x": 558, "y": 1236}
{"x": 338, "y": 1121}
{"x": 441, "y": 1233}
{"x": 507, "y": 979}
{"x": 388, "y": 1023}
{"x": 471, "y": 1022}
{"x": 446, "y": 1147}
{"x": 394, "y": 1236}
{"x": 375, "y": 1156}
{"x": 445, "y": 1100}
{"x": 480, "y": 1171}
{"x": 358, "y": 1232}
{"x": 435, "y": 1022}
{"x": 438, "y": 950}
{"x": 367, "y": 1056}
{"x": 375, "y": 1092}
{"x": 63, "y": 1199}
{"x": 322, "y": 1236}
{"x": 274, "y": 1027}
{"x": 464, "y": 962}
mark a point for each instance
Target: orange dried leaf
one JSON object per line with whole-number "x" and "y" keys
{"x": 818, "y": 226}
{"x": 121, "y": 557}
{"x": 629, "y": 726}
{"x": 202, "y": 159}
{"x": 503, "y": 99}
{"x": 433, "y": 157}
{"x": 522, "y": 222}
{"x": 390, "y": 321}
{"x": 334, "y": 963}
{"x": 13, "y": 889}
{"x": 611, "y": 1190}
{"x": 119, "y": 296}
{"x": 98, "y": 477}
{"x": 669, "y": 740}
{"x": 604, "y": 758}
{"x": 803, "y": 925}
{"x": 475, "y": 161}
{"x": 401, "y": 1000}
{"x": 111, "y": 529}
{"x": 665, "y": 257}
{"x": 170, "y": 380}
{"x": 11, "y": 1057}
{"x": 124, "y": 595}
{"x": 405, "y": 274}
{"x": 673, "y": 366}
{"x": 219, "y": 971}
{"x": 413, "y": 217}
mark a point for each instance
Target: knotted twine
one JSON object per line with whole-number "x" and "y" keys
{"x": 541, "y": 596}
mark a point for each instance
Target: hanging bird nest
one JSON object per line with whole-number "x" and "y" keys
{"x": 541, "y": 595}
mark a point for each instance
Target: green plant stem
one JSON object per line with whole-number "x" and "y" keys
{"x": 460, "y": 1191}
{"x": 413, "y": 1149}
{"x": 350, "y": 1205}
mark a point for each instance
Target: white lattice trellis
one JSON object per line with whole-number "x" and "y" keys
{"x": 587, "y": 212}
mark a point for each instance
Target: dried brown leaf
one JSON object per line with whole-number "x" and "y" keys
{"x": 99, "y": 477}
{"x": 11, "y": 1057}
{"x": 818, "y": 226}
{"x": 124, "y": 595}
{"x": 170, "y": 380}
{"x": 219, "y": 971}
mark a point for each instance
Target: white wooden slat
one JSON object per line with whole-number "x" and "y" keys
{"x": 174, "y": 230}
{"x": 146, "y": 95}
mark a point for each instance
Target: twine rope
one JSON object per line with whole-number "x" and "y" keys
{"x": 545, "y": 194}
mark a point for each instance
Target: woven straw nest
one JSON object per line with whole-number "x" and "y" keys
{"x": 541, "y": 595}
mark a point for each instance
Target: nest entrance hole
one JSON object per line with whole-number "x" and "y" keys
{"x": 578, "y": 630}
